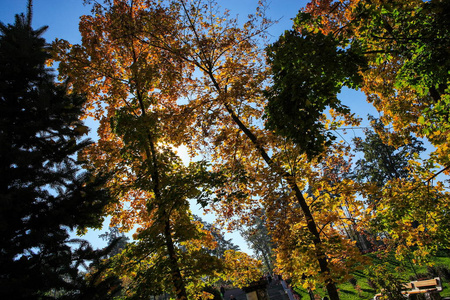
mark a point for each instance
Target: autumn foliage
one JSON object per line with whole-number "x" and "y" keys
{"x": 162, "y": 74}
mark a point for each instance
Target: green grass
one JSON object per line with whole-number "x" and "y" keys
{"x": 348, "y": 292}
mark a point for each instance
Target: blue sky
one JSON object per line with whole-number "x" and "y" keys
{"x": 62, "y": 17}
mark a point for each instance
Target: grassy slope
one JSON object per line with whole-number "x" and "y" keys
{"x": 348, "y": 292}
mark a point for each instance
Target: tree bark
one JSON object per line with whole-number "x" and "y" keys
{"x": 152, "y": 159}
{"x": 177, "y": 278}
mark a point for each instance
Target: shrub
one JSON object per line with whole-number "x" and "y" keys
{"x": 390, "y": 283}
{"x": 372, "y": 284}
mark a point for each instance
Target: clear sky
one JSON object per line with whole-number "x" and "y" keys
{"x": 62, "y": 16}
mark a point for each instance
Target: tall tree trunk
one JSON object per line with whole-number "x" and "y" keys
{"x": 152, "y": 159}
{"x": 312, "y": 227}
{"x": 177, "y": 278}
{"x": 266, "y": 259}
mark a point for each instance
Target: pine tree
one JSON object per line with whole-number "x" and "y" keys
{"x": 43, "y": 192}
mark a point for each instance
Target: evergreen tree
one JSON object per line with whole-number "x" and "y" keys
{"x": 114, "y": 236}
{"x": 383, "y": 162}
{"x": 43, "y": 192}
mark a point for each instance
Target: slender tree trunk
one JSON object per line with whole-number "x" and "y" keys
{"x": 151, "y": 152}
{"x": 312, "y": 227}
{"x": 177, "y": 278}
{"x": 266, "y": 259}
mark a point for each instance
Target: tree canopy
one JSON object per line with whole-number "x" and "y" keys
{"x": 406, "y": 79}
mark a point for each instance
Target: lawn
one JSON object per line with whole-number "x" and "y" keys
{"x": 362, "y": 290}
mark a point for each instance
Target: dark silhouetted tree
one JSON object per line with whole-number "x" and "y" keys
{"x": 43, "y": 192}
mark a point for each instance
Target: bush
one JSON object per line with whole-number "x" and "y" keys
{"x": 384, "y": 280}
{"x": 372, "y": 284}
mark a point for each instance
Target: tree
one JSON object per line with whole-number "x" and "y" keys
{"x": 200, "y": 77}
{"x": 259, "y": 240}
{"x": 382, "y": 162}
{"x": 336, "y": 206}
{"x": 145, "y": 267}
{"x": 135, "y": 88}
{"x": 241, "y": 269}
{"x": 309, "y": 70}
{"x": 406, "y": 47}
{"x": 43, "y": 191}
{"x": 392, "y": 45}
{"x": 398, "y": 217}
{"x": 222, "y": 243}
{"x": 116, "y": 237}
{"x": 305, "y": 84}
